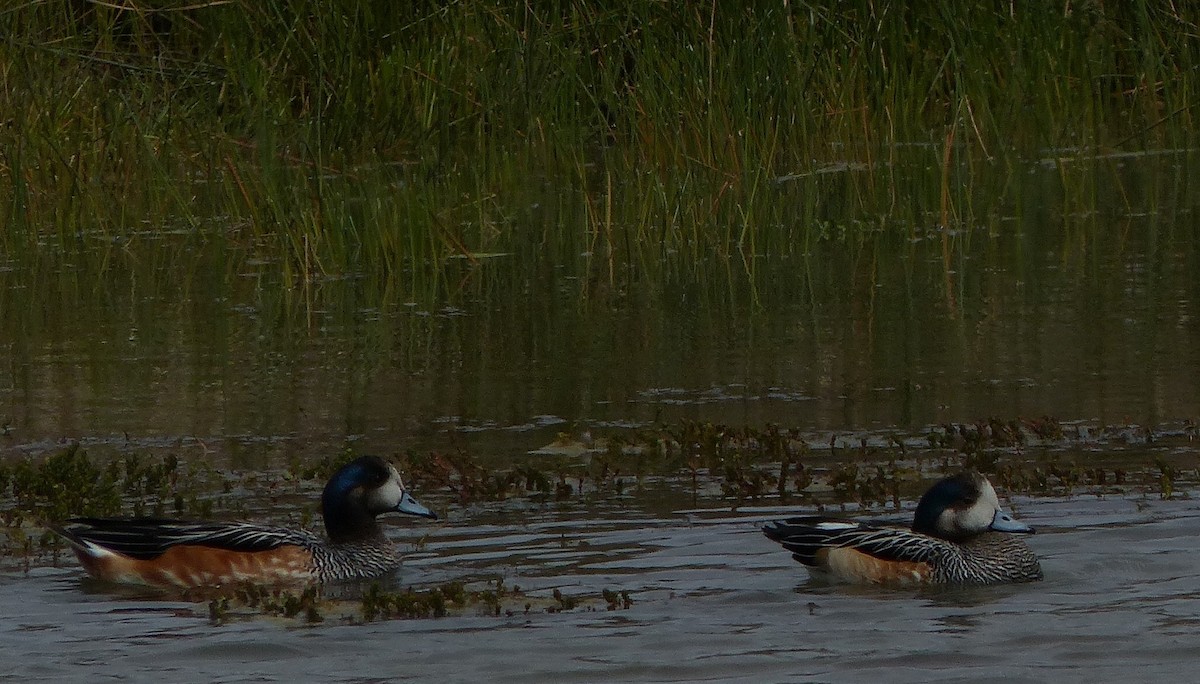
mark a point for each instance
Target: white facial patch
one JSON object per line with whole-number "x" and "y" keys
{"x": 386, "y": 496}
{"x": 975, "y": 519}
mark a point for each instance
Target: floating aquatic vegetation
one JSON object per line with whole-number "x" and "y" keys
{"x": 39, "y": 492}
{"x": 1032, "y": 456}
{"x": 71, "y": 483}
{"x": 726, "y": 465}
{"x": 617, "y": 600}
{"x": 380, "y": 604}
{"x": 309, "y": 604}
{"x": 268, "y": 601}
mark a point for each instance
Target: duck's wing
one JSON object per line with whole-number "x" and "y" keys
{"x": 146, "y": 538}
{"x": 808, "y": 536}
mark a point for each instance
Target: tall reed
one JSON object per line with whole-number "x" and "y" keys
{"x": 341, "y": 137}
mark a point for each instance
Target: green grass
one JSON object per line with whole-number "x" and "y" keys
{"x": 328, "y": 138}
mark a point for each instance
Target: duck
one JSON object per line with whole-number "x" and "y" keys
{"x": 960, "y": 535}
{"x": 185, "y": 554}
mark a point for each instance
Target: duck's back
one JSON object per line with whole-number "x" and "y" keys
{"x": 864, "y": 553}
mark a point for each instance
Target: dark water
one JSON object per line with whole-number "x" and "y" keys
{"x": 181, "y": 343}
{"x": 713, "y": 601}
{"x": 169, "y": 339}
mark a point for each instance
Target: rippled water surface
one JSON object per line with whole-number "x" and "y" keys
{"x": 713, "y": 601}
{"x": 1081, "y": 305}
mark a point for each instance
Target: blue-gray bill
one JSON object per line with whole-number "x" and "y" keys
{"x": 1003, "y": 522}
{"x": 410, "y": 506}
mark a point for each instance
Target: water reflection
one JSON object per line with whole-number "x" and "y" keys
{"x": 1035, "y": 312}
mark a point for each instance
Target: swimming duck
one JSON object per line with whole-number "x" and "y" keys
{"x": 184, "y": 554}
{"x": 959, "y": 535}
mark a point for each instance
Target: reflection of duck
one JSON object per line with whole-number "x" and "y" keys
{"x": 175, "y": 553}
{"x": 957, "y": 537}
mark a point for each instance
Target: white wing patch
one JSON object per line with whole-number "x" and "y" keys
{"x": 833, "y": 526}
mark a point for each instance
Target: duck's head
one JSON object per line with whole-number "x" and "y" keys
{"x": 360, "y": 490}
{"x": 961, "y": 507}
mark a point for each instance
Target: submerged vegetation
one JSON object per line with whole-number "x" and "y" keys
{"x": 716, "y": 463}
{"x": 690, "y": 464}
{"x": 450, "y": 598}
{"x": 738, "y": 465}
{"x": 411, "y": 141}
